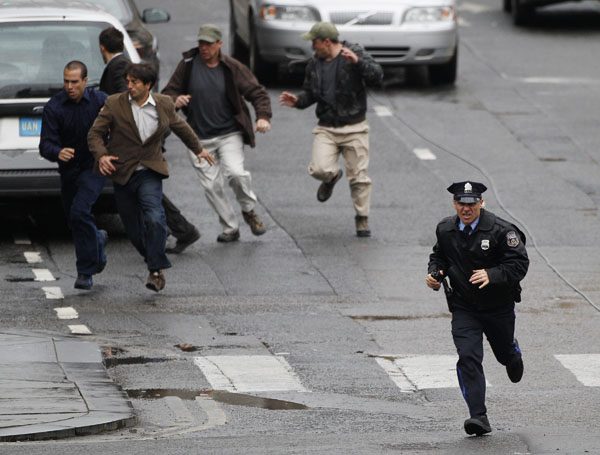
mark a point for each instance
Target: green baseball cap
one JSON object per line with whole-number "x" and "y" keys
{"x": 322, "y": 30}
{"x": 209, "y": 33}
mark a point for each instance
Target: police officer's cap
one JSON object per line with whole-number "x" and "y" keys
{"x": 467, "y": 192}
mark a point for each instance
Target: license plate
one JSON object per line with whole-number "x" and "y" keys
{"x": 30, "y": 126}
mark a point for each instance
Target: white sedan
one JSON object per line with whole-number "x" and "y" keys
{"x": 395, "y": 32}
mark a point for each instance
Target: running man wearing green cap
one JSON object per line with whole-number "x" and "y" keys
{"x": 336, "y": 78}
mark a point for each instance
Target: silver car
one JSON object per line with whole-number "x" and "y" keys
{"x": 395, "y": 32}
{"x": 37, "y": 39}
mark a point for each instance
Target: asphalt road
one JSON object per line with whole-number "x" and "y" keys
{"x": 342, "y": 313}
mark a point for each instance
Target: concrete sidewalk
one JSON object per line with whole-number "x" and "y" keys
{"x": 56, "y": 387}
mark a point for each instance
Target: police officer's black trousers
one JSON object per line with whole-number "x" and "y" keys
{"x": 468, "y": 328}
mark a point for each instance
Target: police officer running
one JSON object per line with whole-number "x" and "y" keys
{"x": 479, "y": 259}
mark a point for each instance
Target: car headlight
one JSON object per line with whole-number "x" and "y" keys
{"x": 430, "y": 14}
{"x": 270, "y": 12}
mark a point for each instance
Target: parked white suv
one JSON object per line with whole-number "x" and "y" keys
{"x": 37, "y": 39}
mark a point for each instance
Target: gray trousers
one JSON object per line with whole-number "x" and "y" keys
{"x": 228, "y": 151}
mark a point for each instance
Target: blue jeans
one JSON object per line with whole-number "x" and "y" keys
{"x": 79, "y": 192}
{"x": 140, "y": 208}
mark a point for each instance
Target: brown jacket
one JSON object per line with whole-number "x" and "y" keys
{"x": 116, "y": 122}
{"x": 240, "y": 84}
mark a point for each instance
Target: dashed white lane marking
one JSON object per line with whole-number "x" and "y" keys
{"x": 79, "y": 329}
{"x": 249, "y": 373}
{"x": 43, "y": 275}
{"x": 551, "y": 80}
{"x": 474, "y": 8}
{"x": 53, "y": 293}
{"x": 463, "y": 22}
{"x": 424, "y": 154}
{"x": 585, "y": 367}
{"x": 382, "y": 111}
{"x": 66, "y": 313}
{"x": 32, "y": 257}
{"x": 21, "y": 239}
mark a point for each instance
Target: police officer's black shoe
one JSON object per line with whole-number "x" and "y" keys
{"x": 478, "y": 425}
{"x": 514, "y": 367}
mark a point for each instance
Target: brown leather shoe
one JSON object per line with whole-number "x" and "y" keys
{"x": 156, "y": 281}
{"x": 326, "y": 188}
{"x": 256, "y": 225}
{"x": 362, "y": 226}
{"x": 226, "y": 237}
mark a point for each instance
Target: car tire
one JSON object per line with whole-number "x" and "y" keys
{"x": 264, "y": 71}
{"x": 237, "y": 49}
{"x": 444, "y": 74}
{"x": 521, "y": 13}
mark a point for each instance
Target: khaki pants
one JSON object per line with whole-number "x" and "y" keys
{"x": 352, "y": 142}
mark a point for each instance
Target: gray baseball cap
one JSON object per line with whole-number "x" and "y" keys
{"x": 209, "y": 33}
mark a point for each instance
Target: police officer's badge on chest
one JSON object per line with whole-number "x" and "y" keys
{"x": 485, "y": 244}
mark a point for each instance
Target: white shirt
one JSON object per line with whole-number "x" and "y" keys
{"x": 146, "y": 120}
{"x": 145, "y": 116}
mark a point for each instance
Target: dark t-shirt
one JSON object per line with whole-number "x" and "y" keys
{"x": 210, "y": 112}
{"x": 327, "y": 73}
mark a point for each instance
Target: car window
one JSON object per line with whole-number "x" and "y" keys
{"x": 34, "y": 54}
{"x": 117, "y": 8}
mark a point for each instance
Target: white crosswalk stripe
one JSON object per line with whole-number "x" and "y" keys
{"x": 585, "y": 367}
{"x": 249, "y": 373}
{"x": 416, "y": 372}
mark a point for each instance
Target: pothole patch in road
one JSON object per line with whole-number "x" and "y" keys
{"x": 551, "y": 159}
{"x": 380, "y": 317}
{"x": 241, "y": 399}
{"x": 111, "y": 362}
{"x": 19, "y": 279}
{"x": 235, "y": 399}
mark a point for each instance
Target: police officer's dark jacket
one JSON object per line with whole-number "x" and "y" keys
{"x": 496, "y": 246}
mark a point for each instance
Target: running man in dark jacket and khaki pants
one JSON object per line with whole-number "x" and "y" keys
{"x": 336, "y": 79}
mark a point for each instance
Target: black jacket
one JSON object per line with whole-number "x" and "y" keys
{"x": 113, "y": 77}
{"x": 350, "y": 89}
{"x": 496, "y": 246}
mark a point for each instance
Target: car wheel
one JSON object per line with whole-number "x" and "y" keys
{"x": 264, "y": 71}
{"x": 236, "y": 47}
{"x": 444, "y": 74}
{"x": 521, "y": 13}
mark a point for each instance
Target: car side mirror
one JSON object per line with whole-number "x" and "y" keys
{"x": 155, "y": 16}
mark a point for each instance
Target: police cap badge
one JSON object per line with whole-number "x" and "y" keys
{"x": 467, "y": 192}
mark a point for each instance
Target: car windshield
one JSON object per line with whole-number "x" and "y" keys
{"x": 117, "y": 8}
{"x": 34, "y": 54}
